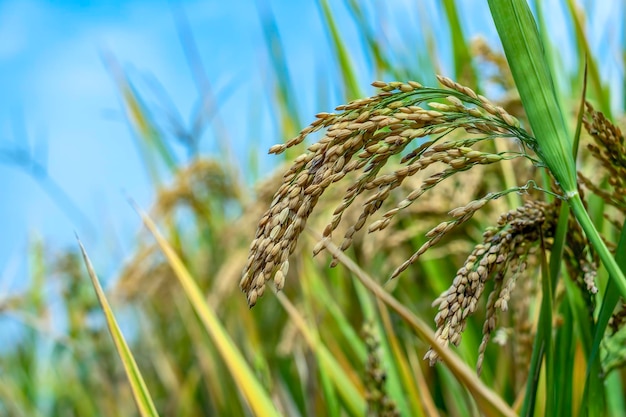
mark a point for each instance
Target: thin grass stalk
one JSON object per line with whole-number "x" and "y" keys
{"x": 426, "y": 397}
{"x": 358, "y": 349}
{"x": 556, "y": 256}
{"x": 328, "y": 388}
{"x": 187, "y": 393}
{"x": 219, "y": 393}
{"x": 615, "y": 392}
{"x": 393, "y": 382}
{"x": 152, "y": 143}
{"x": 331, "y": 399}
{"x": 547, "y": 303}
{"x": 377, "y": 51}
{"x": 615, "y": 273}
{"x": 457, "y": 399}
{"x": 285, "y": 90}
{"x": 544, "y": 331}
{"x": 206, "y": 112}
{"x": 611, "y": 297}
{"x": 584, "y": 326}
{"x": 542, "y": 346}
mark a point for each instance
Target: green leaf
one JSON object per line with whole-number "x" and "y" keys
{"x": 525, "y": 55}
{"x": 140, "y": 390}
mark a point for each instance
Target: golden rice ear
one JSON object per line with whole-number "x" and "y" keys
{"x": 502, "y": 257}
{"x": 365, "y": 140}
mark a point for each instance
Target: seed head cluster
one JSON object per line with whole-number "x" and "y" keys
{"x": 502, "y": 257}
{"x": 401, "y": 127}
{"x": 378, "y": 402}
{"x": 581, "y": 264}
{"x": 609, "y": 149}
{"x": 523, "y": 330}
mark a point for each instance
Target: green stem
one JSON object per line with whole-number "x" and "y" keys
{"x": 615, "y": 273}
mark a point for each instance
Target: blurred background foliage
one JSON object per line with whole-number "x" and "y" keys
{"x": 208, "y": 205}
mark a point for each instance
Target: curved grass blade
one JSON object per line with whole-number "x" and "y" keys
{"x": 145, "y": 405}
{"x": 250, "y": 387}
{"x": 526, "y": 57}
{"x": 488, "y": 401}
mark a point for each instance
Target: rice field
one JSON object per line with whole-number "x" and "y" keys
{"x": 451, "y": 245}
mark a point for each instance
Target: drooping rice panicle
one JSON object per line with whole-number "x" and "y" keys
{"x": 360, "y": 141}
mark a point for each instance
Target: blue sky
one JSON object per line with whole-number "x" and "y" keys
{"x": 59, "y": 101}
{"x": 57, "y": 98}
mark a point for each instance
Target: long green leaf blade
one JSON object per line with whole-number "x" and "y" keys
{"x": 140, "y": 390}
{"x": 525, "y": 54}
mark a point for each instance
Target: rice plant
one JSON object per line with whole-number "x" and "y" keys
{"x": 378, "y": 142}
{"x": 424, "y": 251}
